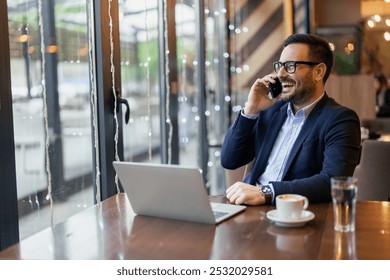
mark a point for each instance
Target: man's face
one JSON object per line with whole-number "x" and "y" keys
{"x": 298, "y": 87}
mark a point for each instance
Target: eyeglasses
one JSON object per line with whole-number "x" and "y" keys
{"x": 291, "y": 66}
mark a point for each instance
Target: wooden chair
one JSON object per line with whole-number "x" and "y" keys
{"x": 373, "y": 172}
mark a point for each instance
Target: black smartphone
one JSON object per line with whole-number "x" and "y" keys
{"x": 276, "y": 88}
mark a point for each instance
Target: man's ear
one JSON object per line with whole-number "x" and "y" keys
{"x": 319, "y": 71}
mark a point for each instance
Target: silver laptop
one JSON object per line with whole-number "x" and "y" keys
{"x": 171, "y": 191}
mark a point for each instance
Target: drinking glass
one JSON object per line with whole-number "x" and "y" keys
{"x": 344, "y": 195}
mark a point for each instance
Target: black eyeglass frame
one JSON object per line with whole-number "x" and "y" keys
{"x": 278, "y": 65}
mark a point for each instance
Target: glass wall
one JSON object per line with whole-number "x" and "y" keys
{"x": 52, "y": 116}
{"x": 140, "y": 78}
{"x": 175, "y": 92}
{"x": 181, "y": 108}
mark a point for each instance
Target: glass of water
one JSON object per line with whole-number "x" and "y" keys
{"x": 344, "y": 195}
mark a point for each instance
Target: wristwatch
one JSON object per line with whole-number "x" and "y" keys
{"x": 266, "y": 190}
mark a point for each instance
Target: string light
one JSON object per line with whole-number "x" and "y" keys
{"x": 377, "y": 18}
{"x": 386, "y": 35}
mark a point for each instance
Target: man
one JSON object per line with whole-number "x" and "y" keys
{"x": 300, "y": 139}
{"x": 382, "y": 91}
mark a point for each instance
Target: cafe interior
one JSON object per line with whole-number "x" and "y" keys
{"x": 87, "y": 83}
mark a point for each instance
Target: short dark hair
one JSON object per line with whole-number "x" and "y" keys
{"x": 319, "y": 49}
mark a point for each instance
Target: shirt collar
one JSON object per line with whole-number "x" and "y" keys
{"x": 304, "y": 112}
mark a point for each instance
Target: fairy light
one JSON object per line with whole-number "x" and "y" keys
{"x": 93, "y": 100}
{"x": 147, "y": 65}
{"x": 45, "y": 110}
{"x": 377, "y": 18}
{"x": 113, "y": 86}
{"x": 168, "y": 120}
{"x": 386, "y": 35}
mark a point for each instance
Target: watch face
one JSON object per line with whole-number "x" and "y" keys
{"x": 266, "y": 189}
{"x": 267, "y": 192}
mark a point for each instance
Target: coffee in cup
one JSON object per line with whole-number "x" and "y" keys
{"x": 290, "y": 206}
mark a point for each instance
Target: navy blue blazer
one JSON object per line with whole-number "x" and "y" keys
{"x": 328, "y": 145}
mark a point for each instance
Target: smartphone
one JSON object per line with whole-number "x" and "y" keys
{"x": 276, "y": 88}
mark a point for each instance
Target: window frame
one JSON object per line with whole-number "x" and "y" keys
{"x": 9, "y": 218}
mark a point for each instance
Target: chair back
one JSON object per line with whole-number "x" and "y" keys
{"x": 373, "y": 172}
{"x": 378, "y": 125}
{"x": 237, "y": 175}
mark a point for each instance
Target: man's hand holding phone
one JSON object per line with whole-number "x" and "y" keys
{"x": 258, "y": 98}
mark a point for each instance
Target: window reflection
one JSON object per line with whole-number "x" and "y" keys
{"x": 62, "y": 77}
{"x": 139, "y": 70}
{"x": 66, "y": 71}
{"x": 139, "y": 64}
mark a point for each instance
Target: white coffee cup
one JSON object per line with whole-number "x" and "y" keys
{"x": 290, "y": 206}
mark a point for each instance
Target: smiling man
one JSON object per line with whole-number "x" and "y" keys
{"x": 298, "y": 140}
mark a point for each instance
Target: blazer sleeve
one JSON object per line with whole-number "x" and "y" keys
{"x": 238, "y": 145}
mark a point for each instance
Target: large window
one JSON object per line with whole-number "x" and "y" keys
{"x": 167, "y": 89}
{"x": 51, "y": 110}
{"x": 64, "y": 72}
{"x": 140, "y": 78}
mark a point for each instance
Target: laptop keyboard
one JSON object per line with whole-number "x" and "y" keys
{"x": 218, "y": 214}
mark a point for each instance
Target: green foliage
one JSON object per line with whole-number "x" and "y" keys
{"x": 345, "y": 64}
{"x": 149, "y": 49}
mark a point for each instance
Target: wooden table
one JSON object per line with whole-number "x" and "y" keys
{"x": 110, "y": 230}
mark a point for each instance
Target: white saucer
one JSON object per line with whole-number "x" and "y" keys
{"x": 306, "y": 216}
